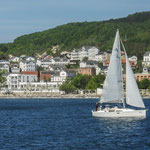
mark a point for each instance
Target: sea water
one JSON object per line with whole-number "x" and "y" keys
{"x": 67, "y": 124}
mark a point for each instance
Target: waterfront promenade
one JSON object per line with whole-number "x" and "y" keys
{"x": 47, "y": 95}
{"x": 144, "y": 93}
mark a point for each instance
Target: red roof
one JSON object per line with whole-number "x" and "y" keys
{"x": 123, "y": 61}
{"x": 30, "y": 72}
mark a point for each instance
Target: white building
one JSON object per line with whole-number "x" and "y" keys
{"x": 146, "y": 70}
{"x": 98, "y": 57}
{"x": 4, "y": 62}
{"x": 61, "y": 76}
{"x": 91, "y": 64}
{"x": 14, "y": 68}
{"x": 146, "y": 59}
{"x": 82, "y": 54}
{"x": 86, "y": 51}
{"x": 133, "y": 59}
{"x": 28, "y": 66}
{"x": 59, "y": 61}
{"x": 50, "y": 87}
{"x": 74, "y": 55}
{"x": 15, "y": 79}
{"x": 43, "y": 63}
{"x": 4, "y": 67}
{"x": 29, "y": 58}
{"x": 92, "y": 51}
{"x": 29, "y": 78}
{"x": 14, "y": 59}
{"x": 88, "y": 64}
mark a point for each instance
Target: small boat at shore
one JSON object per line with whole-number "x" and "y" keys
{"x": 113, "y": 91}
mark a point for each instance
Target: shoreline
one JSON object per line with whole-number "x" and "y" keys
{"x": 53, "y": 96}
{"x": 48, "y": 96}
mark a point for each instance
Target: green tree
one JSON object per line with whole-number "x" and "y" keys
{"x": 49, "y": 51}
{"x": 80, "y": 81}
{"x": 68, "y": 87}
{"x": 144, "y": 84}
{"x": 2, "y": 79}
{"x": 95, "y": 82}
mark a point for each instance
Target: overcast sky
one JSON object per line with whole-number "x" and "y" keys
{"x": 19, "y": 17}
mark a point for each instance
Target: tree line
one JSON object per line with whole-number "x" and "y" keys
{"x": 82, "y": 82}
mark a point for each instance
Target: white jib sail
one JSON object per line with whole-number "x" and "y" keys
{"x": 133, "y": 96}
{"x": 113, "y": 86}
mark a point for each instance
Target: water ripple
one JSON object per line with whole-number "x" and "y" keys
{"x": 42, "y": 124}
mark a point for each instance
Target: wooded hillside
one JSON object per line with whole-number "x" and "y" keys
{"x": 134, "y": 29}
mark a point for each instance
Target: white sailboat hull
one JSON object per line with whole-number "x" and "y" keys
{"x": 116, "y": 113}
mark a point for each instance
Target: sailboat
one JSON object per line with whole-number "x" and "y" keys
{"x": 113, "y": 91}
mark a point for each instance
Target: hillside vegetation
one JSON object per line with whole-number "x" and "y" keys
{"x": 136, "y": 29}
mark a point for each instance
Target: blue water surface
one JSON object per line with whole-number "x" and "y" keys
{"x": 67, "y": 124}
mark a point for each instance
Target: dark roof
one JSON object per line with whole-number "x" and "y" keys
{"x": 56, "y": 73}
{"x": 58, "y": 67}
{"x": 47, "y": 72}
{"x": 146, "y": 53}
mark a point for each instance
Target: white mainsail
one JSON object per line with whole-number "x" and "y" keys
{"x": 133, "y": 96}
{"x": 113, "y": 86}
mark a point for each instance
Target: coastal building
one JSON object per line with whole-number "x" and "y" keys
{"x": 61, "y": 76}
{"x": 14, "y": 68}
{"x": 13, "y": 81}
{"x": 85, "y": 52}
{"x": 27, "y": 82}
{"x": 139, "y": 76}
{"x": 59, "y": 61}
{"x": 133, "y": 64}
{"x": 14, "y": 59}
{"x": 4, "y": 62}
{"x": 74, "y": 55}
{"x": 45, "y": 57}
{"x": 45, "y": 76}
{"x": 133, "y": 59}
{"x": 5, "y": 67}
{"x": 92, "y": 51}
{"x": 29, "y": 58}
{"x": 43, "y": 63}
{"x": 88, "y": 64}
{"x": 146, "y": 59}
{"x": 57, "y": 67}
{"x": 39, "y": 87}
{"x": 87, "y": 71}
{"x": 28, "y": 66}
{"x": 107, "y": 55}
{"x": 100, "y": 57}
{"x": 146, "y": 70}
{"x": 29, "y": 76}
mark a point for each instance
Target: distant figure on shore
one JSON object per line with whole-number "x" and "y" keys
{"x": 96, "y": 106}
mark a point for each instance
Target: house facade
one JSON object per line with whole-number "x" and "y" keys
{"x": 13, "y": 81}
{"x": 146, "y": 59}
{"x": 87, "y": 71}
{"x": 28, "y": 66}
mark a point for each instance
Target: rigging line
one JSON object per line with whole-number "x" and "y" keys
{"x": 123, "y": 46}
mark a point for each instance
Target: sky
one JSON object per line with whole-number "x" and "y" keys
{"x": 19, "y": 17}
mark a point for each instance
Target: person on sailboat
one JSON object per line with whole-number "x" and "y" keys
{"x": 96, "y": 106}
